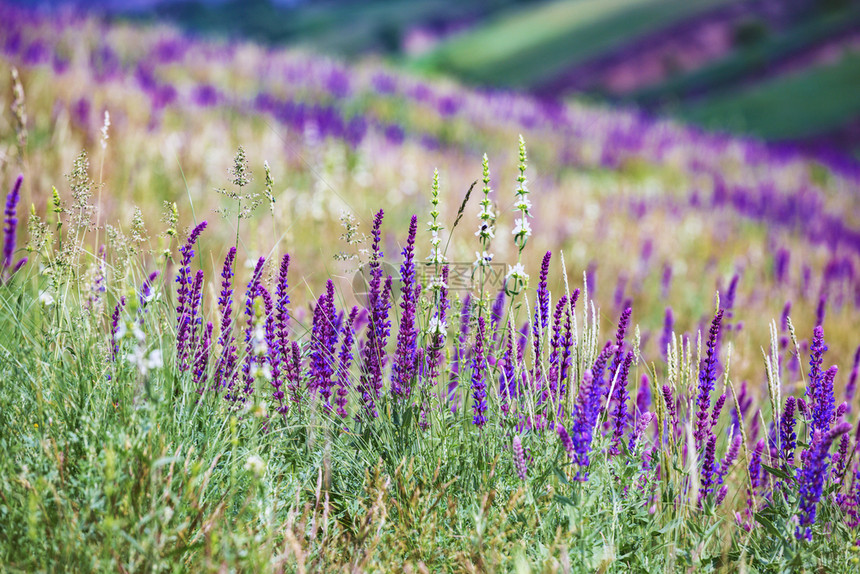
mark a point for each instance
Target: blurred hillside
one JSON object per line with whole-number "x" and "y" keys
{"x": 782, "y": 70}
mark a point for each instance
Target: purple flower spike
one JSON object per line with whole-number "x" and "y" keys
{"x": 620, "y": 414}
{"x": 403, "y": 369}
{"x": 519, "y": 458}
{"x": 183, "y": 293}
{"x": 708, "y": 469}
{"x": 585, "y": 413}
{"x": 373, "y": 352}
{"x": 812, "y": 478}
{"x": 666, "y": 335}
{"x": 278, "y": 332}
{"x": 479, "y": 383}
{"x": 225, "y": 371}
{"x": 787, "y": 436}
{"x": 566, "y": 441}
{"x": 114, "y": 343}
{"x": 707, "y": 379}
{"x": 729, "y": 459}
{"x": 851, "y": 387}
{"x": 252, "y": 292}
{"x": 541, "y": 315}
{"x": 620, "y": 334}
{"x": 555, "y": 343}
{"x": 323, "y": 344}
{"x": 671, "y": 408}
{"x": 642, "y": 423}
{"x": 10, "y": 228}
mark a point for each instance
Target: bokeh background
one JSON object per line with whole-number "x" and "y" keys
{"x": 783, "y": 70}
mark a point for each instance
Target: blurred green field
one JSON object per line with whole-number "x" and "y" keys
{"x": 770, "y": 109}
{"x": 335, "y": 26}
{"x": 740, "y": 65}
{"x": 528, "y": 46}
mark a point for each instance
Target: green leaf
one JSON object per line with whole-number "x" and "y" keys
{"x": 560, "y": 475}
{"x": 778, "y": 473}
{"x": 769, "y": 526}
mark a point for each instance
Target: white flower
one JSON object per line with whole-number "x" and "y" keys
{"x": 437, "y": 284}
{"x": 255, "y": 465}
{"x": 144, "y": 363}
{"x": 517, "y": 272}
{"x": 522, "y": 228}
{"x": 436, "y": 255}
{"x": 437, "y": 327}
{"x": 261, "y": 372}
{"x": 155, "y": 360}
{"x": 258, "y": 340}
{"x": 485, "y": 232}
{"x": 523, "y": 204}
{"x": 46, "y": 299}
{"x": 483, "y": 259}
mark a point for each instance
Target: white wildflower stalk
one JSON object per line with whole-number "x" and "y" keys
{"x": 104, "y": 130}
{"x": 486, "y": 230}
{"x": 517, "y": 279}
{"x": 436, "y": 257}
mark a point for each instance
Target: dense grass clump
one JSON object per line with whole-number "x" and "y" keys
{"x": 412, "y": 430}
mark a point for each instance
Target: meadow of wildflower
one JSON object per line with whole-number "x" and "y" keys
{"x": 263, "y": 311}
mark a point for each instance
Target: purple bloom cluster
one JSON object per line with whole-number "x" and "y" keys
{"x": 10, "y": 227}
{"x": 184, "y": 299}
{"x": 373, "y": 351}
{"x": 479, "y": 383}
{"x": 403, "y": 369}
{"x": 812, "y": 477}
{"x": 225, "y": 371}
{"x": 707, "y": 379}
{"x": 819, "y": 392}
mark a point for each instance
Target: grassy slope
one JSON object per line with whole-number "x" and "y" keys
{"x": 770, "y": 109}
{"x": 528, "y": 46}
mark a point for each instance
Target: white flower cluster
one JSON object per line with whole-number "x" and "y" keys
{"x": 139, "y": 357}
{"x": 436, "y": 256}
{"x": 437, "y": 327}
{"x": 522, "y": 230}
{"x": 487, "y": 230}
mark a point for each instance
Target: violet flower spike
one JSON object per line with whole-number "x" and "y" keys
{"x": 114, "y": 342}
{"x": 373, "y": 351}
{"x": 479, "y": 383}
{"x": 812, "y": 478}
{"x": 183, "y": 293}
{"x": 403, "y": 369}
{"x": 707, "y": 380}
{"x": 787, "y": 436}
{"x": 519, "y": 457}
{"x": 225, "y": 370}
{"x": 851, "y": 387}
{"x": 10, "y": 228}
{"x": 541, "y": 315}
{"x": 708, "y": 470}
{"x": 620, "y": 414}
{"x": 252, "y": 292}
